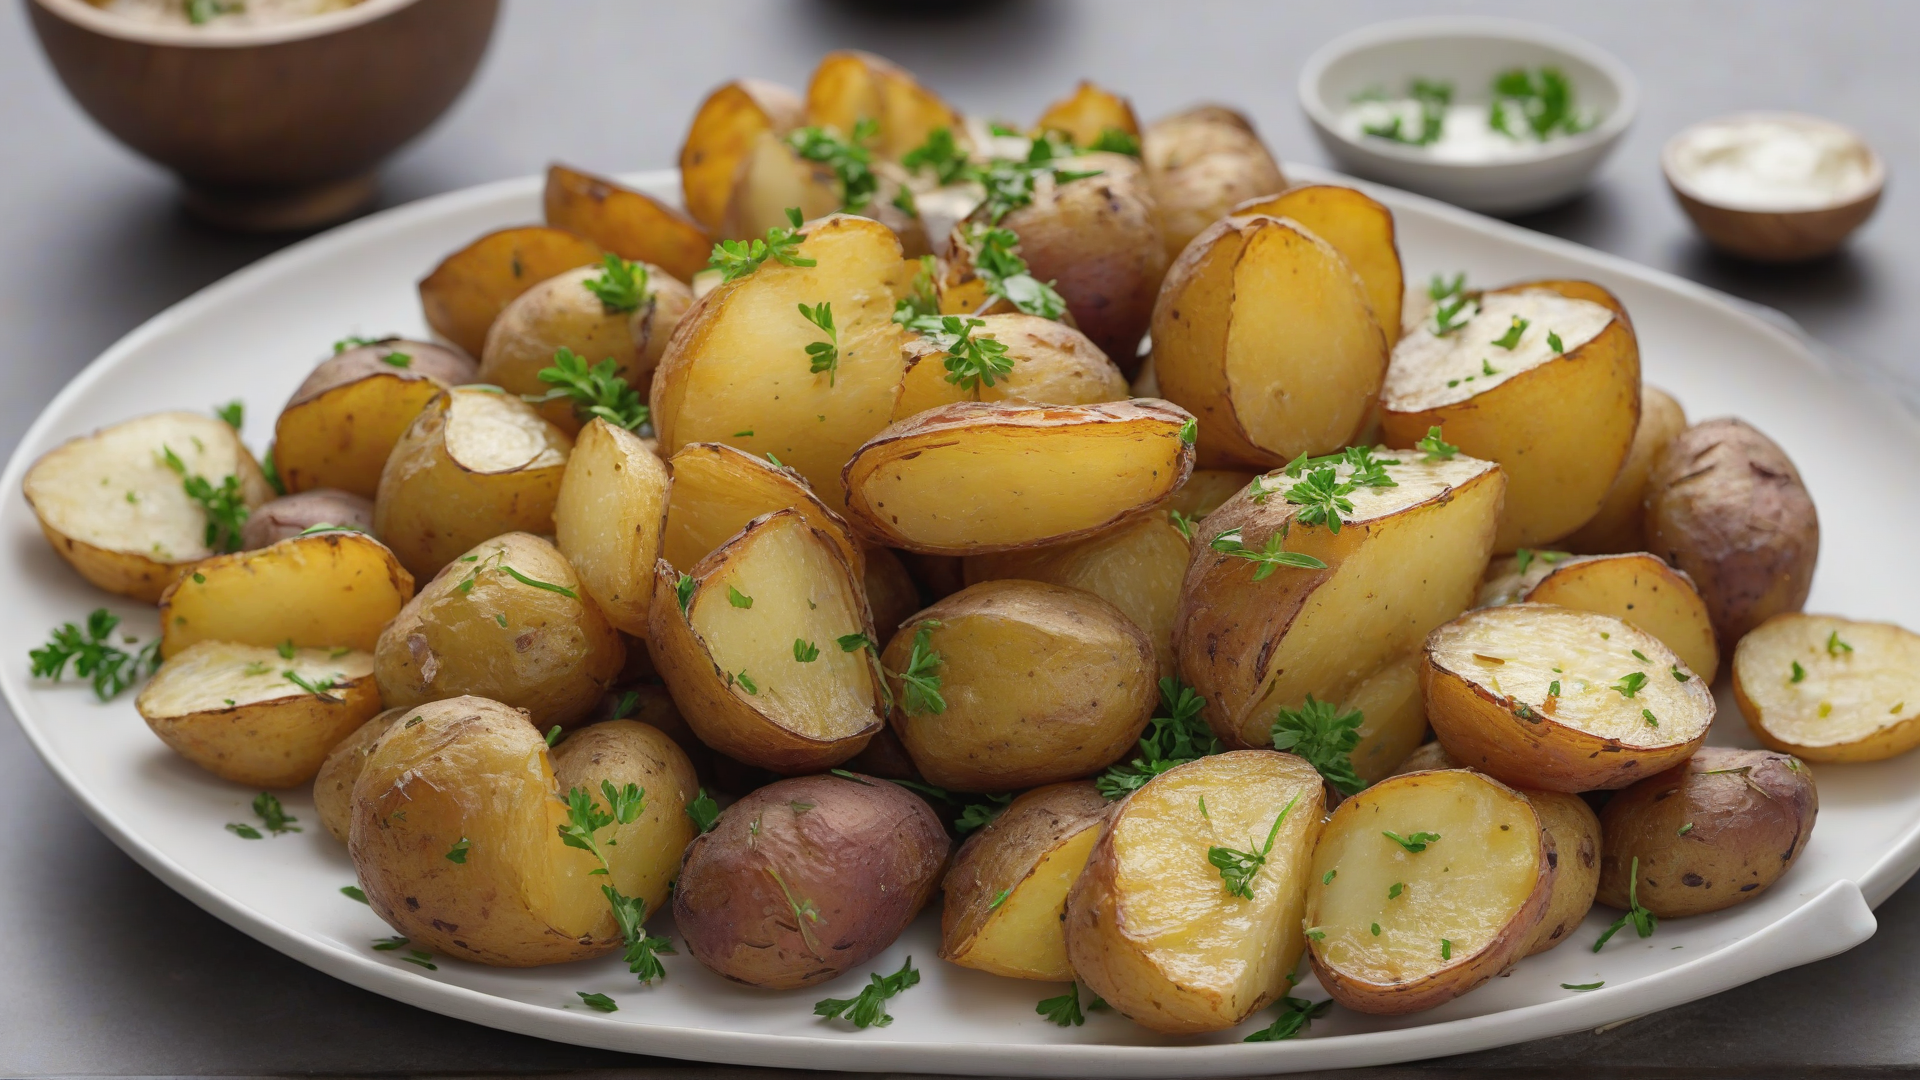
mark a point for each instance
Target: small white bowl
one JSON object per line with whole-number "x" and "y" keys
{"x": 1468, "y": 52}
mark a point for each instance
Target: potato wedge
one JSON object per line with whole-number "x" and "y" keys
{"x": 1036, "y": 684}
{"x": 727, "y": 126}
{"x": 290, "y": 515}
{"x": 718, "y": 489}
{"x": 342, "y": 423}
{"x": 1621, "y": 523}
{"x": 1636, "y": 587}
{"x": 1549, "y": 697}
{"x": 1005, "y": 898}
{"x": 851, "y": 86}
{"x": 323, "y": 590}
{"x": 472, "y": 286}
{"x": 474, "y": 464}
{"x": 1087, "y": 114}
{"x": 1200, "y": 164}
{"x": 752, "y": 649}
{"x": 772, "y": 178}
{"x": 1830, "y": 689}
{"x": 236, "y": 711}
{"x": 629, "y": 223}
{"x": 1265, "y": 333}
{"x": 609, "y": 518}
{"x": 333, "y": 784}
{"x": 1393, "y": 717}
{"x": 1151, "y": 926}
{"x": 1207, "y": 489}
{"x": 1053, "y": 364}
{"x": 112, "y": 507}
{"x": 960, "y": 479}
{"x": 1359, "y": 228}
{"x": 1406, "y": 559}
{"x": 1561, "y": 423}
{"x": 1423, "y": 887}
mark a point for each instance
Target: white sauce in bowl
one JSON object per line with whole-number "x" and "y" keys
{"x": 223, "y": 13}
{"x": 1467, "y": 137}
{"x": 1772, "y": 163}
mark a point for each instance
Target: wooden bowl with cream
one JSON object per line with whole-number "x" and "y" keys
{"x": 1774, "y": 187}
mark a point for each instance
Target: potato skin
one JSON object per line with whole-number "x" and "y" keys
{"x": 291, "y": 515}
{"x": 338, "y": 428}
{"x": 468, "y": 290}
{"x": 333, "y": 784}
{"x": 1621, "y": 523}
{"x": 631, "y": 752}
{"x": 1576, "y": 834}
{"x": 1725, "y": 504}
{"x": 1201, "y": 163}
{"x": 891, "y": 592}
{"x": 1743, "y": 831}
{"x": 866, "y": 854}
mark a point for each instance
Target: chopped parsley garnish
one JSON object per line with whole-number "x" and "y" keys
{"x": 975, "y": 814}
{"x": 869, "y": 1008}
{"x": 1583, "y": 986}
{"x": 1452, "y": 314}
{"x": 597, "y": 391}
{"x": 553, "y": 735}
{"x": 804, "y": 651}
{"x": 1433, "y": 97}
{"x": 738, "y": 599}
{"x": 1270, "y": 557}
{"x": 397, "y": 359}
{"x": 621, "y": 286}
{"x": 1065, "y": 1009}
{"x": 94, "y": 656}
{"x": 317, "y": 689}
{"x": 683, "y": 591}
{"x": 458, "y": 852}
{"x": 224, "y": 506}
{"x": 1630, "y": 683}
{"x": 1320, "y": 733}
{"x": 1175, "y": 737}
{"x": 1554, "y": 343}
{"x": 1439, "y": 288}
{"x": 971, "y": 361}
{"x": 353, "y": 892}
{"x": 244, "y": 831}
{"x": 923, "y": 297}
{"x": 746, "y": 681}
{"x": 1835, "y": 646}
{"x": 941, "y": 155}
{"x": 849, "y": 159}
{"x": 1114, "y": 141}
{"x": 920, "y": 682}
{"x": 1190, "y": 430}
{"x": 598, "y": 1002}
{"x": 1295, "y": 1015}
{"x": 854, "y": 642}
{"x": 585, "y": 818}
{"x": 353, "y": 341}
{"x": 1005, "y": 274}
{"x": 1644, "y": 921}
{"x": 704, "y": 811}
{"x": 736, "y": 259}
{"x": 999, "y": 898}
{"x": 1510, "y": 339}
{"x": 1536, "y": 104}
{"x": 233, "y": 412}
{"x": 1434, "y": 447}
{"x": 546, "y": 585}
{"x": 1647, "y": 715}
{"x": 1416, "y": 843}
{"x": 823, "y": 355}
{"x": 1237, "y": 868}
{"x": 1796, "y": 673}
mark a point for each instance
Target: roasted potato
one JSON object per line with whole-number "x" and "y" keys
{"x": 1391, "y": 928}
{"x": 633, "y": 752}
{"x": 1265, "y": 333}
{"x": 472, "y": 286}
{"x": 1393, "y": 717}
{"x": 1830, "y": 689}
{"x": 322, "y": 590}
{"x": 114, "y": 508}
{"x": 242, "y": 713}
{"x": 609, "y": 518}
{"x": 1621, "y": 523}
{"x": 851, "y": 86}
{"x": 961, "y": 479}
{"x": 1200, "y": 164}
{"x": 1359, "y": 228}
{"x": 333, "y": 784}
{"x": 1726, "y": 505}
{"x": 1155, "y": 928}
{"x": 1549, "y": 697}
{"x": 767, "y": 649}
{"x": 1636, "y": 587}
{"x": 808, "y": 878}
{"x": 729, "y": 123}
{"x": 474, "y": 464}
{"x": 342, "y": 423}
{"x": 1053, "y": 364}
{"x": 718, "y": 489}
{"x": 629, "y": 223}
{"x": 891, "y": 592}
{"x": 1740, "y": 819}
{"x": 1089, "y": 115}
{"x": 1036, "y": 684}
{"x": 290, "y": 515}
{"x": 1006, "y": 893}
{"x": 1206, "y": 490}
{"x": 1559, "y": 421}
{"x": 773, "y": 178}
{"x": 506, "y": 622}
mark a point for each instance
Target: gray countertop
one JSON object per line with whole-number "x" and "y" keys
{"x": 104, "y": 971}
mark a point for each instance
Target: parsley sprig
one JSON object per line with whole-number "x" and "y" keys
{"x": 1644, "y": 921}
{"x": 1295, "y": 1015}
{"x": 597, "y": 391}
{"x": 621, "y": 286}
{"x": 971, "y": 361}
{"x": 1433, "y": 97}
{"x": 848, "y": 157}
{"x": 920, "y": 682}
{"x": 1176, "y": 736}
{"x": 923, "y": 297}
{"x": 1415, "y": 843}
{"x": 736, "y": 259}
{"x": 869, "y": 1008}
{"x": 1238, "y": 868}
{"x": 822, "y": 355}
{"x": 1434, "y": 448}
{"x": 941, "y": 155}
{"x": 224, "y": 506}
{"x": 1319, "y": 732}
{"x": 94, "y": 656}
{"x": 1006, "y": 276}
{"x": 1269, "y": 557}
{"x": 1535, "y": 104}
{"x": 1065, "y": 1009}
{"x": 585, "y": 819}
{"x": 1322, "y": 495}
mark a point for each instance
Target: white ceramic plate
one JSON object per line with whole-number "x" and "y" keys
{"x": 257, "y": 334}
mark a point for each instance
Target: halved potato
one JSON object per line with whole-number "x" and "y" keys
{"x": 110, "y": 505}
{"x": 1200, "y": 164}
{"x": 1406, "y": 559}
{"x": 290, "y": 515}
{"x": 850, "y": 86}
{"x": 608, "y": 520}
{"x": 1152, "y": 927}
{"x": 333, "y": 784}
{"x": 964, "y": 479}
{"x": 728, "y": 124}
{"x": 1621, "y": 523}
{"x": 1636, "y": 587}
{"x": 1549, "y": 697}
{"x": 1830, "y": 689}
{"x": 1423, "y": 887}
{"x": 752, "y": 648}
{"x": 236, "y": 711}
{"x": 1560, "y": 422}
{"x": 1359, "y": 228}
{"x": 1006, "y": 892}
{"x": 323, "y": 590}
{"x": 718, "y": 489}
{"x": 1393, "y": 717}
{"x": 631, "y": 224}
{"x": 1088, "y": 113}
{"x": 342, "y": 423}
{"x": 1265, "y": 333}
{"x": 473, "y": 285}
{"x": 772, "y": 178}
{"x": 1053, "y": 364}
{"x": 1206, "y": 490}
{"x": 474, "y": 464}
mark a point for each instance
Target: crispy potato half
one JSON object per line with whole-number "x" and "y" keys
{"x": 1154, "y": 927}
{"x": 1636, "y": 587}
{"x": 962, "y": 479}
{"x": 1087, "y": 114}
{"x": 727, "y": 126}
{"x": 1200, "y": 164}
{"x": 342, "y": 423}
{"x": 850, "y": 86}
{"x": 1559, "y": 421}
{"x": 1406, "y": 559}
{"x": 241, "y": 712}
{"x": 1053, "y": 364}
{"x": 475, "y": 463}
{"x": 1621, "y": 523}
{"x": 1830, "y": 689}
{"x": 322, "y": 590}
{"x": 717, "y": 489}
{"x": 333, "y": 784}
{"x": 1549, "y": 697}
{"x": 290, "y": 515}
{"x": 1005, "y": 897}
{"x": 1264, "y": 332}
{"x": 1423, "y": 887}
{"x": 1359, "y": 228}
{"x": 111, "y": 506}
{"x": 473, "y": 285}
{"x": 608, "y": 520}
{"x": 629, "y": 223}
{"x": 752, "y": 648}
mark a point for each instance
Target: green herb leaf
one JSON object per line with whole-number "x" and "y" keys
{"x": 869, "y": 1008}
{"x": 738, "y": 599}
{"x": 1114, "y": 141}
{"x": 805, "y": 651}
{"x": 1005, "y": 273}
{"x": 1511, "y": 339}
{"x": 1181, "y": 522}
{"x": 736, "y": 259}
{"x": 923, "y": 297}
{"x": 823, "y": 355}
{"x": 683, "y": 591}
{"x": 1434, "y": 447}
{"x": 458, "y": 852}
{"x": 1295, "y": 1015}
{"x": 971, "y": 362}
{"x": 1321, "y": 733}
{"x": 1174, "y": 737}
{"x": 1797, "y": 673}
{"x": 1452, "y": 314}
{"x": 704, "y": 811}
{"x": 854, "y": 642}
{"x": 111, "y": 669}
{"x": 597, "y": 391}
{"x": 243, "y": 831}
{"x": 1537, "y": 103}
{"x": 1237, "y": 868}
{"x": 1190, "y": 431}
{"x": 1583, "y": 986}
{"x": 353, "y": 892}
{"x": 977, "y": 813}
{"x": 233, "y": 412}
{"x": 1644, "y": 921}
{"x": 1440, "y": 288}
{"x": 999, "y": 898}
{"x": 553, "y": 735}
{"x": 1269, "y": 558}
{"x": 1630, "y": 683}
{"x": 920, "y": 682}
{"x": 1416, "y": 843}
{"x": 317, "y": 689}
{"x": 224, "y": 506}
{"x": 1835, "y": 646}
{"x": 1065, "y": 1009}
{"x": 598, "y": 1002}
{"x": 1554, "y": 343}
{"x": 940, "y": 155}
{"x": 851, "y": 162}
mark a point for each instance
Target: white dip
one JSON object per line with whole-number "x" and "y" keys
{"x": 1772, "y": 163}
{"x": 224, "y": 13}
{"x": 1520, "y": 115}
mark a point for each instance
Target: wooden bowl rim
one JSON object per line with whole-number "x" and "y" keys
{"x": 1876, "y": 166}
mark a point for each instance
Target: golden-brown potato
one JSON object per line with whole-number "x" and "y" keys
{"x": 1265, "y": 333}
{"x": 1726, "y": 505}
{"x": 333, "y": 784}
{"x": 1357, "y": 227}
{"x": 1830, "y": 689}
{"x": 1036, "y": 684}
{"x": 1053, "y": 364}
{"x": 851, "y": 86}
{"x": 1714, "y": 831}
{"x": 762, "y": 647}
{"x": 632, "y": 752}
{"x": 1621, "y": 523}
{"x": 1549, "y": 697}
{"x": 891, "y": 592}
{"x": 1423, "y": 887}
{"x": 342, "y": 423}
{"x": 609, "y": 518}
{"x": 1200, "y": 164}
{"x": 1406, "y": 559}
{"x": 237, "y": 711}
{"x": 631, "y": 224}
{"x": 1207, "y": 489}
{"x": 1152, "y": 926}
{"x": 1393, "y": 717}
{"x": 718, "y": 489}
{"x": 961, "y": 479}
{"x": 290, "y": 515}
{"x": 808, "y": 878}
{"x": 1559, "y": 421}
{"x": 727, "y": 126}
{"x": 472, "y": 286}
{"x": 1006, "y": 893}
{"x": 506, "y": 622}
{"x": 772, "y": 178}
{"x": 1087, "y": 114}
{"x": 111, "y": 505}
{"x": 1636, "y": 587}
{"x": 474, "y": 464}
{"x": 323, "y": 590}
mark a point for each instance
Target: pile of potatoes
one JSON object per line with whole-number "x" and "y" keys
{"x": 1245, "y": 489}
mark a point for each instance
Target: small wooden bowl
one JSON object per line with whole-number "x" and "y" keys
{"x": 1774, "y": 236}
{"x": 269, "y": 128}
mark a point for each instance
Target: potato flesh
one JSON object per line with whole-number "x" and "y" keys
{"x": 486, "y": 433}
{"x": 1641, "y": 590}
{"x": 321, "y": 591}
{"x": 1430, "y": 371}
{"x": 559, "y": 313}
{"x": 214, "y": 675}
{"x": 718, "y": 489}
{"x": 341, "y": 438}
{"x": 607, "y": 521}
{"x": 1621, "y": 523}
{"x": 1022, "y": 937}
{"x": 1360, "y": 229}
{"x": 1393, "y": 717}
{"x": 1844, "y": 697}
{"x": 1053, "y": 365}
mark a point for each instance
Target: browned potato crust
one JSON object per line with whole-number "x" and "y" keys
{"x": 1621, "y": 523}
{"x": 1088, "y": 113}
{"x": 726, "y": 127}
{"x": 290, "y": 515}
{"x": 1200, "y": 164}
{"x": 850, "y": 86}
{"x": 629, "y": 223}
{"x": 333, "y": 785}
{"x": 471, "y": 286}
{"x": 1006, "y": 893}
{"x": 341, "y": 424}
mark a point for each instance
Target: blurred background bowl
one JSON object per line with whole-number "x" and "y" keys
{"x": 276, "y": 127}
{"x": 1775, "y": 235}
